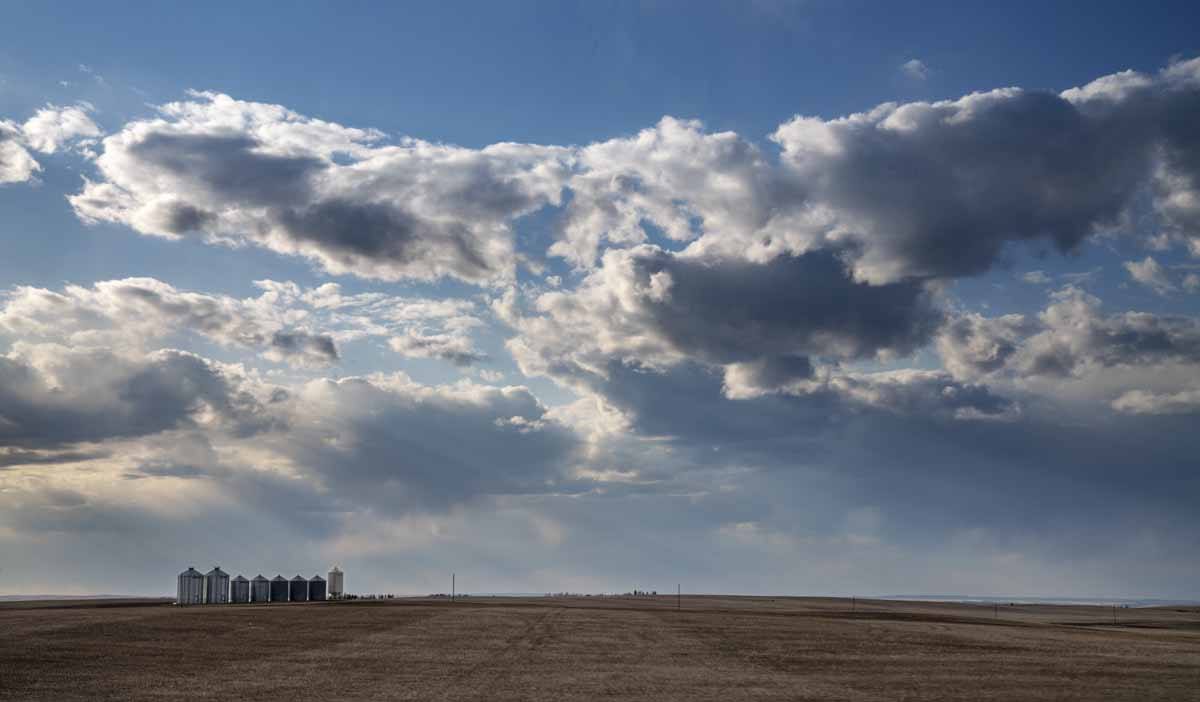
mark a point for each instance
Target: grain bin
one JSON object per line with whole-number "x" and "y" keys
{"x": 216, "y": 586}
{"x": 279, "y": 589}
{"x": 260, "y": 589}
{"x": 298, "y": 592}
{"x": 336, "y": 583}
{"x": 316, "y": 588}
{"x": 191, "y": 587}
{"x": 239, "y": 590}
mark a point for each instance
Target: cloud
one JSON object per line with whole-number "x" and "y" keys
{"x": 132, "y": 311}
{"x": 53, "y": 396}
{"x": 16, "y": 164}
{"x": 15, "y": 457}
{"x": 52, "y": 127}
{"x": 978, "y": 173}
{"x": 454, "y": 348}
{"x": 1133, "y": 362}
{"x": 1143, "y": 402}
{"x": 1148, "y": 272}
{"x": 1037, "y": 278}
{"x": 237, "y": 171}
{"x": 656, "y": 308}
{"x": 913, "y": 190}
{"x": 907, "y": 392}
{"x": 285, "y": 324}
{"x": 395, "y": 445}
{"x": 915, "y": 69}
{"x": 383, "y": 443}
{"x": 302, "y": 348}
{"x": 679, "y": 180}
{"x": 48, "y": 130}
{"x": 1071, "y": 337}
{"x": 903, "y": 190}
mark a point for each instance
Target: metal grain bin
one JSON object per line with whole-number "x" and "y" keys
{"x": 279, "y": 589}
{"x": 190, "y": 587}
{"x": 239, "y": 590}
{"x": 260, "y": 589}
{"x": 316, "y": 588}
{"x": 298, "y": 592}
{"x": 336, "y": 583}
{"x": 216, "y": 586}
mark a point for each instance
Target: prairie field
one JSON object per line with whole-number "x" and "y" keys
{"x": 611, "y": 648}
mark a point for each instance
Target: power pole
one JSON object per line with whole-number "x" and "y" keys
{"x": 452, "y": 585}
{"x": 678, "y": 597}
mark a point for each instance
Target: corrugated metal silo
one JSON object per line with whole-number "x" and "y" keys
{"x": 191, "y": 587}
{"x": 239, "y": 590}
{"x": 279, "y": 589}
{"x": 298, "y": 592}
{"x": 260, "y": 589}
{"x": 336, "y": 583}
{"x": 216, "y": 586}
{"x": 316, "y": 588}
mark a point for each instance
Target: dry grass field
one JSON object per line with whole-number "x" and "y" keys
{"x": 714, "y": 648}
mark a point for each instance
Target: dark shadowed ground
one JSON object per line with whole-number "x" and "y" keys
{"x": 715, "y": 648}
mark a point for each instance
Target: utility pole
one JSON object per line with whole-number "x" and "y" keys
{"x": 678, "y": 597}
{"x": 853, "y": 604}
{"x": 1114, "y": 615}
{"x": 452, "y": 585}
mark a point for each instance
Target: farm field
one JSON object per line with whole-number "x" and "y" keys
{"x": 576, "y": 648}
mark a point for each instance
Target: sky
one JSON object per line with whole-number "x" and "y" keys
{"x": 797, "y": 298}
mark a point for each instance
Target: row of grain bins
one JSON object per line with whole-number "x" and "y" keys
{"x": 215, "y": 587}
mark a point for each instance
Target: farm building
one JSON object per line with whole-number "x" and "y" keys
{"x": 316, "y": 589}
{"x": 336, "y": 583}
{"x": 191, "y": 587}
{"x": 279, "y": 589}
{"x": 216, "y": 586}
{"x": 298, "y": 589}
{"x": 260, "y": 589}
{"x": 239, "y": 590}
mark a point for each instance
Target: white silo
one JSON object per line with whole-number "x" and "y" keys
{"x": 216, "y": 586}
{"x": 191, "y": 587}
{"x": 336, "y": 583}
{"x": 239, "y": 590}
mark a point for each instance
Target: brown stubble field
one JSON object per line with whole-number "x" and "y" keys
{"x": 714, "y": 648}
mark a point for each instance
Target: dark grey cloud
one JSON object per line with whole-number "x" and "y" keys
{"x": 290, "y": 344}
{"x": 14, "y": 457}
{"x": 655, "y": 308}
{"x": 731, "y": 311}
{"x": 230, "y": 168}
{"x": 396, "y": 445}
{"x": 52, "y": 397}
{"x": 940, "y": 189}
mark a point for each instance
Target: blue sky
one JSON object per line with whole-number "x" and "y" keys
{"x": 852, "y": 297}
